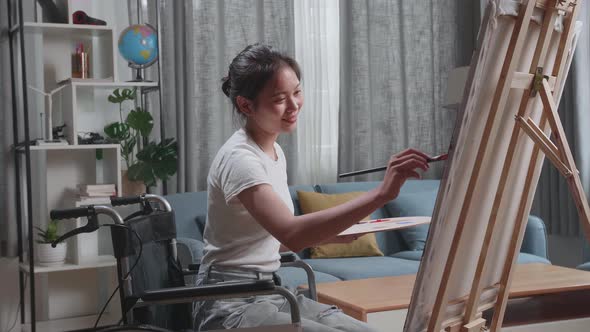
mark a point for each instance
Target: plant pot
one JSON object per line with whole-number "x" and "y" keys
{"x": 49, "y": 256}
{"x": 131, "y": 188}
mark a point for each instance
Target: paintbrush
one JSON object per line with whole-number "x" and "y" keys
{"x": 441, "y": 157}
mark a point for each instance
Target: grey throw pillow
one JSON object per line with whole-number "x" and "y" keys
{"x": 410, "y": 205}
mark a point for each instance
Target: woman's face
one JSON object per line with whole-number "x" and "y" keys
{"x": 277, "y": 106}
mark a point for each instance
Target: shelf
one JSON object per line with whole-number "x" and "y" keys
{"x": 70, "y": 147}
{"x": 66, "y": 30}
{"x": 93, "y": 201}
{"x": 101, "y": 261}
{"x": 101, "y": 83}
{"x": 59, "y": 325}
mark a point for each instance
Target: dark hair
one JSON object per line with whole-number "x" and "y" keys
{"x": 251, "y": 69}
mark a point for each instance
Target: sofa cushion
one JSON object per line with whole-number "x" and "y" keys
{"x": 345, "y": 187}
{"x": 585, "y": 266}
{"x": 190, "y": 211}
{"x": 523, "y": 258}
{"x": 365, "y": 245}
{"x": 190, "y": 251}
{"x": 535, "y": 237}
{"x": 364, "y": 267}
{"x": 293, "y": 277}
{"x": 201, "y": 221}
{"x": 293, "y": 191}
{"x": 409, "y": 187}
{"x": 389, "y": 242}
{"x": 413, "y": 255}
{"x": 410, "y": 205}
{"x": 419, "y": 186}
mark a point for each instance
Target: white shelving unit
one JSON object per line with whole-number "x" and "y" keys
{"x": 73, "y": 147}
{"x": 100, "y": 261}
{"x": 87, "y": 274}
{"x": 59, "y": 41}
{"x": 68, "y": 30}
{"x": 69, "y": 296}
{"x": 98, "y": 84}
{"x": 85, "y": 107}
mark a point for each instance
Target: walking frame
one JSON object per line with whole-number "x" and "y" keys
{"x": 549, "y": 140}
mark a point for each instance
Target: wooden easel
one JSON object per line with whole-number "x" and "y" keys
{"x": 550, "y": 140}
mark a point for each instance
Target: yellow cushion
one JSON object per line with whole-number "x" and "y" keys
{"x": 365, "y": 245}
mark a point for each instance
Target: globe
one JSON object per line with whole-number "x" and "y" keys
{"x": 138, "y": 44}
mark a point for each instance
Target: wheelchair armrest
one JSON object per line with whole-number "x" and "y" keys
{"x": 288, "y": 257}
{"x": 207, "y": 290}
{"x": 308, "y": 270}
{"x": 221, "y": 291}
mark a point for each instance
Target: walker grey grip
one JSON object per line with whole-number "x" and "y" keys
{"x": 72, "y": 213}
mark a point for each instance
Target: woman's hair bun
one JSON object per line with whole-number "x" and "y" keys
{"x": 226, "y": 85}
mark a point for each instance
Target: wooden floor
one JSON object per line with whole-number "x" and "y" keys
{"x": 60, "y": 325}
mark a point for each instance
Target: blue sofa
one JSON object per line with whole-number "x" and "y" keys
{"x": 585, "y": 257}
{"x": 402, "y": 249}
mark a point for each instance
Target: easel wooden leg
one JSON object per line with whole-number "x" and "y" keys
{"x": 543, "y": 142}
{"x": 454, "y": 328}
{"x": 560, "y": 156}
{"x": 477, "y": 325}
{"x": 525, "y": 105}
{"x": 531, "y": 181}
{"x": 559, "y": 71}
{"x": 500, "y": 98}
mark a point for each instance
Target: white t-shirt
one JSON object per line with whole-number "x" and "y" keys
{"x": 232, "y": 236}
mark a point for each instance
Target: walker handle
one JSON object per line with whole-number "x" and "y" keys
{"x": 72, "y": 213}
{"x": 126, "y": 200}
{"x": 89, "y": 212}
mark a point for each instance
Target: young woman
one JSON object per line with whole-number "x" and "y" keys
{"x": 250, "y": 212}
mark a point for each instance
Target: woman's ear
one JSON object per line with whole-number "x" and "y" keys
{"x": 244, "y": 105}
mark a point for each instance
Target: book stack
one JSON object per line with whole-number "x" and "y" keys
{"x": 60, "y": 142}
{"x": 96, "y": 193}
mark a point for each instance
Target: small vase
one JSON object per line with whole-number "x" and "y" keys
{"x": 49, "y": 256}
{"x": 131, "y": 188}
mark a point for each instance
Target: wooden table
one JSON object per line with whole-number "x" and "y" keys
{"x": 540, "y": 294}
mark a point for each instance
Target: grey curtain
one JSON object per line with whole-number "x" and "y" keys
{"x": 395, "y": 60}
{"x": 553, "y": 201}
{"x": 199, "y": 39}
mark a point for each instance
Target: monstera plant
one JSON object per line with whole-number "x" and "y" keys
{"x": 147, "y": 161}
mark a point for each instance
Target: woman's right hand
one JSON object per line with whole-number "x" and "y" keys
{"x": 401, "y": 167}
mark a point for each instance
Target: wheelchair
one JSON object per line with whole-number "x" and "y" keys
{"x": 151, "y": 282}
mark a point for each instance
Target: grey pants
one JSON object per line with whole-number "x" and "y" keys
{"x": 267, "y": 309}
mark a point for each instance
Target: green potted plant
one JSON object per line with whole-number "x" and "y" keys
{"x": 147, "y": 161}
{"x": 46, "y": 254}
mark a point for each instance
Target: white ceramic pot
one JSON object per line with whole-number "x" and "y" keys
{"x": 49, "y": 256}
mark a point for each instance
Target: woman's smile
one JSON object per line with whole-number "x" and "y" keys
{"x": 291, "y": 119}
